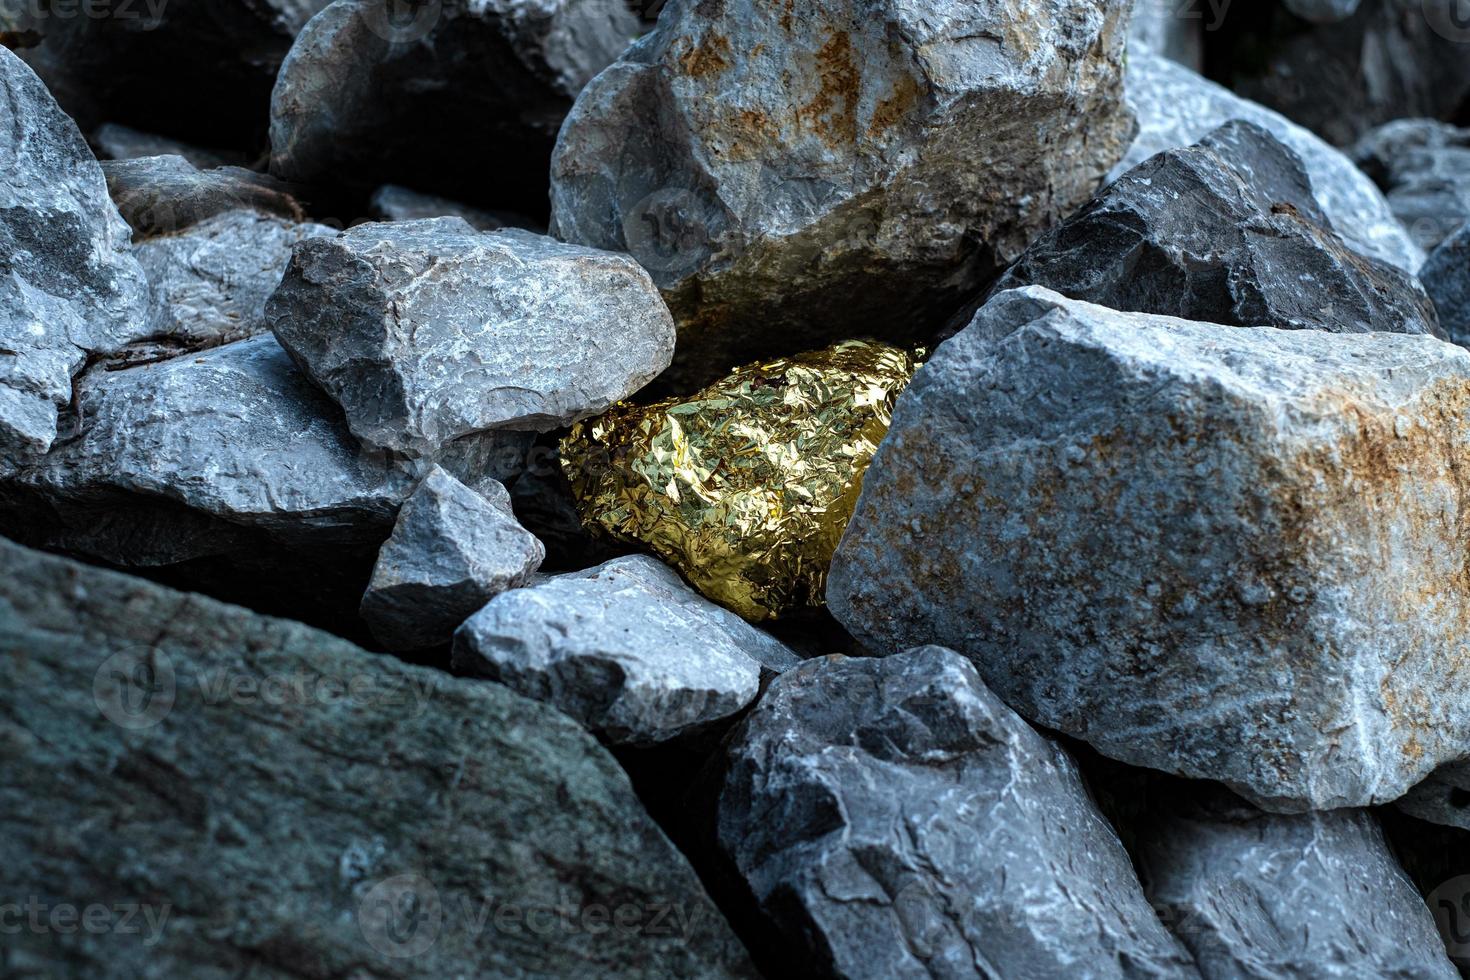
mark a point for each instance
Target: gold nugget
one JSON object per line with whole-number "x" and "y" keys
{"x": 746, "y": 486}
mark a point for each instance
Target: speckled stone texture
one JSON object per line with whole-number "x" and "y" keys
{"x": 1223, "y": 552}
{"x": 429, "y": 331}
{"x": 895, "y": 819}
{"x": 164, "y": 194}
{"x": 626, "y": 648}
{"x": 771, "y": 162}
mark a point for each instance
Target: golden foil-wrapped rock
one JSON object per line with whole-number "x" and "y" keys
{"x": 746, "y": 486}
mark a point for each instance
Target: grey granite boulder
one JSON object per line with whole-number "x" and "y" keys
{"x": 69, "y": 286}
{"x": 159, "y": 195}
{"x": 478, "y": 91}
{"x": 895, "y": 819}
{"x": 451, "y": 551}
{"x": 1225, "y": 231}
{"x": 211, "y": 281}
{"x": 1443, "y": 798}
{"x": 1323, "y": 11}
{"x": 428, "y": 331}
{"x": 393, "y": 203}
{"x": 1222, "y": 552}
{"x": 232, "y": 795}
{"x": 1424, "y": 168}
{"x": 626, "y": 648}
{"x": 1311, "y": 895}
{"x": 1446, "y": 278}
{"x": 1177, "y": 107}
{"x": 771, "y": 162}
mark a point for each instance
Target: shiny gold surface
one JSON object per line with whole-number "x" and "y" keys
{"x": 746, "y": 486}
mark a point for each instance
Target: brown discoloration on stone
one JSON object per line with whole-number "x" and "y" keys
{"x": 894, "y": 109}
{"x": 710, "y": 56}
{"x": 832, "y": 112}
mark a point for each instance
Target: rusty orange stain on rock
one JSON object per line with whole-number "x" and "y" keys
{"x": 893, "y": 109}
{"x": 708, "y": 57}
{"x": 832, "y": 112}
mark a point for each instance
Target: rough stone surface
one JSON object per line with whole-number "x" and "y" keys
{"x": 158, "y": 195}
{"x": 769, "y": 162}
{"x": 1424, "y": 168}
{"x": 451, "y": 551}
{"x": 393, "y": 203}
{"x": 427, "y": 331}
{"x": 1220, "y": 552}
{"x": 1446, "y": 277}
{"x": 276, "y": 799}
{"x": 1443, "y": 798}
{"x": 68, "y": 284}
{"x": 1177, "y": 107}
{"x": 211, "y": 281}
{"x": 1311, "y": 895}
{"x": 1225, "y": 231}
{"x": 626, "y": 648}
{"x": 1170, "y": 29}
{"x": 897, "y": 820}
{"x": 114, "y": 141}
{"x": 479, "y": 89}
{"x": 1323, "y": 11}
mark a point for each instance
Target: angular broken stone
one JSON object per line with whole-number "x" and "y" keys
{"x": 69, "y": 286}
{"x": 1443, "y": 798}
{"x": 211, "y": 281}
{"x": 273, "y": 794}
{"x": 1446, "y": 278}
{"x": 769, "y": 164}
{"x": 393, "y": 203}
{"x": 1261, "y": 895}
{"x": 451, "y": 551}
{"x": 626, "y": 648}
{"x": 428, "y": 331}
{"x": 1424, "y": 168}
{"x": 1177, "y": 107}
{"x": 894, "y": 819}
{"x": 478, "y": 92}
{"x": 1226, "y": 553}
{"x": 1225, "y": 231}
{"x": 158, "y": 195}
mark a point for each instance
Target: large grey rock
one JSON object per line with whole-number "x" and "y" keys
{"x": 243, "y": 796}
{"x": 1177, "y": 107}
{"x": 428, "y": 331}
{"x": 159, "y": 195}
{"x": 626, "y": 648}
{"x": 1424, "y": 167}
{"x": 1220, "y": 552}
{"x": 1311, "y": 895}
{"x": 211, "y": 281}
{"x": 69, "y": 287}
{"x": 1225, "y": 231}
{"x": 1443, "y": 798}
{"x": 770, "y": 162}
{"x": 895, "y": 819}
{"x": 1171, "y": 29}
{"x": 451, "y": 551}
{"x": 478, "y": 91}
{"x": 1446, "y": 277}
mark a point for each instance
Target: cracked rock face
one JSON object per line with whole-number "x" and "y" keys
{"x": 342, "y": 813}
{"x": 451, "y": 551}
{"x": 428, "y": 331}
{"x": 1424, "y": 168}
{"x": 159, "y": 195}
{"x": 626, "y": 648}
{"x": 477, "y": 88}
{"x": 1220, "y": 552}
{"x": 1225, "y": 231}
{"x": 897, "y": 820}
{"x": 1261, "y": 895}
{"x": 1446, "y": 277}
{"x": 768, "y": 162}
{"x": 69, "y": 287}
{"x": 1176, "y": 107}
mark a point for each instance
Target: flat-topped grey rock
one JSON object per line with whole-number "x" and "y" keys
{"x": 771, "y": 163}
{"x": 245, "y": 796}
{"x": 452, "y": 550}
{"x": 1223, "y": 552}
{"x": 626, "y": 648}
{"x": 894, "y": 819}
{"x": 1225, "y": 231}
{"x": 428, "y": 331}
{"x": 1446, "y": 278}
{"x": 1310, "y": 895}
{"x": 159, "y": 195}
{"x": 1424, "y": 168}
{"x": 69, "y": 287}
{"x": 478, "y": 91}
{"x": 1176, "y": 107}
